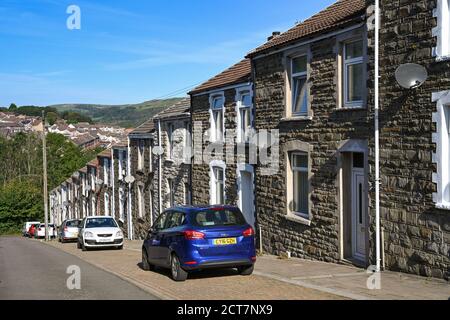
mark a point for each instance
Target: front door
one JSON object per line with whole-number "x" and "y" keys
{"x": 359, "y": 200}
{"x": 246, "y": 197}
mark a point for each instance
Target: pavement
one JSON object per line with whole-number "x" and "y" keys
{"x": 273, "y": 278}
{"x": 33, "y": 270}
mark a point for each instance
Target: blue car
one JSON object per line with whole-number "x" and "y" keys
{"x": 195, "y": 238}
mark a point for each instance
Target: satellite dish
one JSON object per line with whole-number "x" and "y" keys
{"x": 129, "y": 179}
{"x": 411, "y": 75}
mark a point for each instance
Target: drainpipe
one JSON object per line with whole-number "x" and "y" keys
{"x": 377, "y": 138}
{"x": 160, "y": 166}
{"x": 130, "y": 219}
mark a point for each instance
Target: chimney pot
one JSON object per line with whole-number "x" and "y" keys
{"x": 274, "y": 35}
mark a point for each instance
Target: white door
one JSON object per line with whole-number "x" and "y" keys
{"x": 246, "y": 197}
{"x": 358, "y": 214}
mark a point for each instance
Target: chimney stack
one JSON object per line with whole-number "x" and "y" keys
{"x": 274, "y": 35}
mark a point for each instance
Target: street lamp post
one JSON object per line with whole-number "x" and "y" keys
{"x": 44, "y": 163}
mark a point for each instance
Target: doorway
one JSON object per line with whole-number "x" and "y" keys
{"x": 355, "y": 207}
{"x": 246, "y": 193}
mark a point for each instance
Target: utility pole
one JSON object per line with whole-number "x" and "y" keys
{"x": 44, "y": 163}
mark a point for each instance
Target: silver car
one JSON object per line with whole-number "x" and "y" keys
{"x": 68, "y": 230}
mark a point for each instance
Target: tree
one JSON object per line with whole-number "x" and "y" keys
{"x": 20, "y": 201}
{"x": 12, "y": 107}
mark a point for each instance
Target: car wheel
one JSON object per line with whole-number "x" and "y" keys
{"x": 178, "y": 274}
{"x": 246, "y": 270}
{"x": 78, "y": 245}
{"x": 83, "y": 247}
{"x": 119, "y": 247}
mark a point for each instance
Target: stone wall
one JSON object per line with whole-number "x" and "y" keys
{"x": 201, "y": 171}
{"x": 178, "y": 168}
{"x": 417, "y": 234}
{"x": 329, "y": 126}
{"x": 148, "y": 180}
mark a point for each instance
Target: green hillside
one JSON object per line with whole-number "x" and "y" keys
{"x": 128, "y": 115}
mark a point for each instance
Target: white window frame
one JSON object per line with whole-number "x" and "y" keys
{"x": 141, "y": 147}
{"x": 216, "y": 164}
{"x": 345, "y": 64}
{"x": 187, "y": 152}
{"x": 93, "y": 178}
{"x": 291, "y": 190}
{"x": 150, "y": 158}
{"x": 442, "y": 30}
{"x": 141, "y": 204}
{"x": 213, "y": 116}
{"x": 304, "y": 75}
{"x": 441, "y": 157}
{"x": 242, "y": 135}
{"x": 120, "y": 165}
{"x": 107, "y": 204}
{"x": 121, "y": 204}
{"x": 171, "y": 192}
{"x": 170, "y": 134}
{"x": 106, "y": 171}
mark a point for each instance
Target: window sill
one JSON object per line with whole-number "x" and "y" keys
{"x": 443, "y": 58}
{"x": 297, "y": 118}
{"x": 295, "y": 218}
{"x": 351, "y": 108}
{"x": 443, "y": 206}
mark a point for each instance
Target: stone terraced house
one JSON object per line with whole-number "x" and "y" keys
{"x": 173, "y": 166}
{"x": 312, "y": 87}
{"x": 119, "y": 187}
{"x": 144, "y": 187}
{"x": 222, "y": 118}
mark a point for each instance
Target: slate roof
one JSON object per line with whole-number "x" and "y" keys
{"x": 105, "y": 153}
{"x": 147, "y": 127}
{"x": 238, "y": 73}
{"x": 178, "y": 109}
{"x": 339, "y": 14}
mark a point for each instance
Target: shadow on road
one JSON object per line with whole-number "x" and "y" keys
{"x": 198, "y": 274}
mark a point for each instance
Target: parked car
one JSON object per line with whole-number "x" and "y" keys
{"x": 40, "y": 231}
{"x": 27, "y": 226}
{"x": 99, "y": 232}
{"x": 68, "y": 231}
{"x": 195, "y": 238}
{"x": 32, "y": 230}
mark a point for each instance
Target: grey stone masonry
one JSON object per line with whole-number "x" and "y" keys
{"x": 416, "y": 232}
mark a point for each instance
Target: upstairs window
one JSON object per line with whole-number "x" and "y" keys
{"x": 244, "y": 116}
{"x": 170, "y": 132}
{"x": 217, "y": 105}
{"x": 141, "y": 154}
{"x": 106, "y": 171}
{"x": 353, "y": 72}
{"x": 299, "y": 85}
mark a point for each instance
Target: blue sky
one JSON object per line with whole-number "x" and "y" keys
{"x": 129, "y": 51}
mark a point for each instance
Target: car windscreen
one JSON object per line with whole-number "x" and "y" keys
{"x": 218, "y": 217}
{"x": 73, "y": 223}
{"x": 101, "y": 223}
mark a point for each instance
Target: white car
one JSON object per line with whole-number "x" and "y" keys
{"x": 40, "y": 231}
{"x": 27, "y": 226}
{"x": 98, "y": 232}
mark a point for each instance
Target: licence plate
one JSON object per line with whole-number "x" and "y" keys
{"x": 104, "y": 240}
{"x": 224, "y": 241}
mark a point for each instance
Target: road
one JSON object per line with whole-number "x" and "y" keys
{"x": 33, "y": 270}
